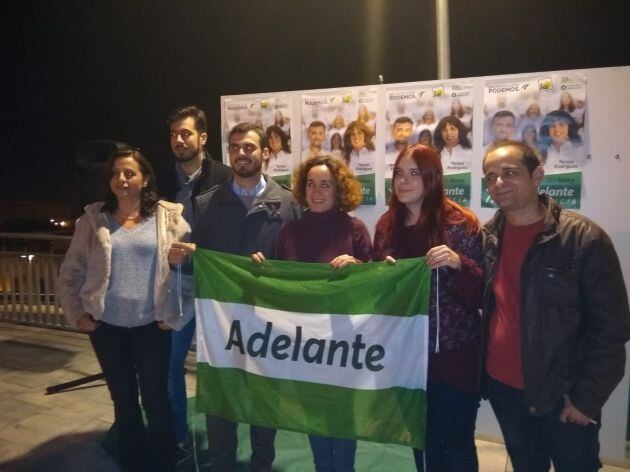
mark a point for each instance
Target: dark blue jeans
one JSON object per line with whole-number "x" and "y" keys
{"x": 180, "y": 344}
{"x": 450, "y": 432}
{"x": 132, "y": 358}
{"x": 333, "y": 454}
{"x": 223, "y": 441}
{"x": 533, "y": 442}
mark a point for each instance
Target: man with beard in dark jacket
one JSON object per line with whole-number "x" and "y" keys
{"x": 242, "y": 216}
{"x": 193, "y": 173}
{"x": 555, "y": 317}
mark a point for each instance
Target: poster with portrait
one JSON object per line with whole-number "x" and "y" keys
{"x": 273, "y": 115}
{"x": 342, "y": 124}
{"x": 547, "y": 112}
{"x": 434, "y": 115}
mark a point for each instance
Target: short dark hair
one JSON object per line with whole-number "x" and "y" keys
{"x": 244, "y": 128}
{"x": 148, "y": 194}
{"x": 201, "y": 121}
{"x": 317, "y": 124}
{"x": 403, "y": 119}
{"x": 530, "y": 156}
{"x": 503, "y": 114}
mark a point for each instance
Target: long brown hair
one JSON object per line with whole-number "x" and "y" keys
{"x": 437, "y": 211}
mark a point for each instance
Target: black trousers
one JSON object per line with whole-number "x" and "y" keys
{"x": 133, "y": 358}
{"x": 223, "y": 440}
{"x": 534, "y": 442}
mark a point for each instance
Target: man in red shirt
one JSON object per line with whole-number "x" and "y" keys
{"x": 556, "y": 319}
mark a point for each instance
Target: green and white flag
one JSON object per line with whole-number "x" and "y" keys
{"x": 307, "y": 348}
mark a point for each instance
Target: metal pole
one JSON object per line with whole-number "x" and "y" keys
{"x": 443, "y": 40}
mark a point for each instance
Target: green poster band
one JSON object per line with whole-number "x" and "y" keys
{"x": 368, "y": 188}
{"x": 284, "y": 179}
{"x": 566, "y": 189}
{"x": 388, "y": 190}
{"x": 457, "y": 188}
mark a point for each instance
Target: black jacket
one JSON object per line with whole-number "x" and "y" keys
{"x": 212, "y": 173}
{"x": 574, "y": 311}
{"x": 222, "y": 223}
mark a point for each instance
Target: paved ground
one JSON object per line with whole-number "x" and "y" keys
{"x": 64, "y": 431}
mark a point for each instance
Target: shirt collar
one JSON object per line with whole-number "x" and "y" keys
{"x": 256, "y": 191}
{"x": 184, "y": 178}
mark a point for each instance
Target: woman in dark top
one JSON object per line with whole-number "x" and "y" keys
{"x": 421, "y": 221}
{"x": 326, "y": 233}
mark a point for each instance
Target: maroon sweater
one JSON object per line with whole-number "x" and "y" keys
{"x": 320, "y": 237}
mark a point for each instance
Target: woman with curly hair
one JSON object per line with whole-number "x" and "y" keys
{"x": 422, "y": 221}
{"x": 326, "y": 233}
{"x": 358, "y": 147}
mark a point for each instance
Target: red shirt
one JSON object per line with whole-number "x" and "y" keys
{"x": 504, "y": 337}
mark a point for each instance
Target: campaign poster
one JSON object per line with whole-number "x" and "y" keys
{"x": 273, "y": 115}
{"x": 342, "y": 124}
{"x": 548, "y": 112}
{"x": 439, "y": 116}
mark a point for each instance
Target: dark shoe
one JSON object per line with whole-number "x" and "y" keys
{"x": 183, "y": 452}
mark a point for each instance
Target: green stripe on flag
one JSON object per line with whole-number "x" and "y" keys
{"x": 394, "y": 415}
{"x": 314, "y": 288}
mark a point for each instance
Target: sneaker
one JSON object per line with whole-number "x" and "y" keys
{"x": 183, "y": 452}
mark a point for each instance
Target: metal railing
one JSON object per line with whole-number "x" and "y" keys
{"x": 28, "y": 279}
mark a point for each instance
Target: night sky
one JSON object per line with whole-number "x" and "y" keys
{"x": 76, "y": 71}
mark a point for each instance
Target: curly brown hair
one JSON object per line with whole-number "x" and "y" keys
{"x": 349, "y": 194}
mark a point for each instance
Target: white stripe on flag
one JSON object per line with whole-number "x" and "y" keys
{"x": 403, "y": 340}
